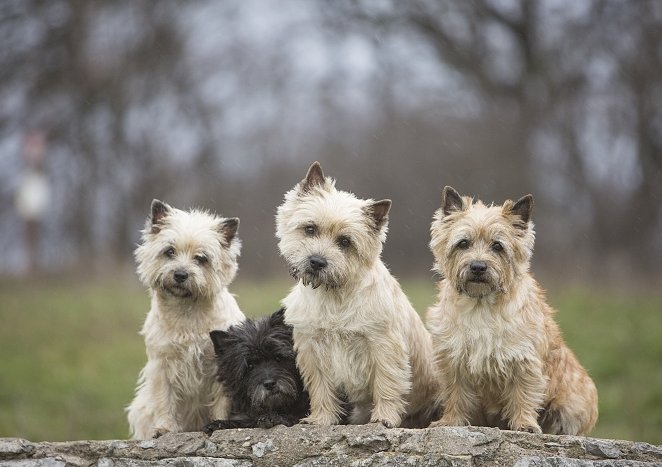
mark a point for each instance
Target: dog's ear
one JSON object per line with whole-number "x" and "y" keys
{"x": 278, "y": 318}
{"x": 219, "y": 339}
{"x": 378, "y": 211}
{"x": 521, "y": 209}
{"x": 157, "y": 213}
{"x": 314, "y": 177}
{"x": 228, "y": 229}
{"x": 451, "y": 201}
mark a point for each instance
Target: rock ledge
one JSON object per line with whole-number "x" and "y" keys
{"x": 366, "y": 445}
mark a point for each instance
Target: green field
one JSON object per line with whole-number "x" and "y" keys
{"x": 70, "y": 354}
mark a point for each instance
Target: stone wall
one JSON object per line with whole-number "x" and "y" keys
{"x": 367, "y": 445}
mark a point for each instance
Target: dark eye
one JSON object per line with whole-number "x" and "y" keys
{"x": 463, "y": 244}
{"x": 497, "y": 246}
{"x": 201, "y": 259}
{"x": 310, "y": 230}
{"x": 249, "y": 365}
{"x": 277, "y": 358}
{"x": 170, "y": 252}
{"x": 344, "y": 242}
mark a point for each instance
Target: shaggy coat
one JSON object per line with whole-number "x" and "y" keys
{"x": 356, "y": 334}
{"x": 498, "y": 349}
{"x": 257, "y": 367}
{"x": 187, "y": 259}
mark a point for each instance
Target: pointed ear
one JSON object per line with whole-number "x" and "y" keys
{"x": 219, "y": 339}
{"x": 378, "y": 211}
{"x": 278, "y": 318}
{"x": 228, "y": 229}
{"x": 451, "y": 201}
{"x": 523, "y": 208}
{"x": 314, "y": 177}
{"x": 158, "y": 211}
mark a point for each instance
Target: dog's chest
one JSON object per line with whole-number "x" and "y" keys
{"x": 346, "y": 358}
{"x": 486, "y": 344}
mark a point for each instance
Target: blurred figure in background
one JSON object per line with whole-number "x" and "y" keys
{"x": 32, "y": 196}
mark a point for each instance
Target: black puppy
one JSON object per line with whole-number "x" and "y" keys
{"x": 256, "y": 364}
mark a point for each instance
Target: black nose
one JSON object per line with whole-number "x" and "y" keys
{"x": 269, "y": 384}
{"x": 180, "y": 276}
{"x": 478, "y": 267}
{"x": 317, "y": 262}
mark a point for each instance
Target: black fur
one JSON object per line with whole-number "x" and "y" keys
{"x": 257, "y": 367}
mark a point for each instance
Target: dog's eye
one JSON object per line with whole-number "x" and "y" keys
{"x": 344, "y": 242}
{"x": 201, "y": 259}
{"x": 249, "y": 366}
{"x": 277, "y": 359}
{"x": 463, "y": 244}
{"x": 310, "y": 230}
{"x": 497, "y": 246}
{"x": 169, "y": 252}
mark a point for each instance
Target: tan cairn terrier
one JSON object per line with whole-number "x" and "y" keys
{"x": 498, "y": 349}
{"x": 357, "y": 337}
{"x": 187, "y": 259}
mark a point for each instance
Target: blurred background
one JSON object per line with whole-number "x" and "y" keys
{"x": 105, "y": 105}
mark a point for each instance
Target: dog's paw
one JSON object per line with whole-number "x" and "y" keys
{"x": 319, "y": 420}
{"x": 529, "y": 429}
{"x": 160, "y": 432}
{"x": 215, "y": 425}
{"x": 271, "y": 420}
{"x": 386, "y": 423}
{"x": 449, "y": 421}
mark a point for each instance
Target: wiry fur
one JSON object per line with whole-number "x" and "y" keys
{"x": 187, "y": 259}
{"x": 257, "y": 367}
{"x": 355, "y": 332}
{"x": 498, "y": 349}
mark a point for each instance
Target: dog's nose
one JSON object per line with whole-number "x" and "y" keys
{"x": 269, "y": 384}
{"x": 317, "y": 262}
{"x": 180, "y": 276}
{"x": 478, "y": 267}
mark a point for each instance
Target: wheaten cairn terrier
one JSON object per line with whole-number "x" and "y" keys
{"x": 498, "y": 349}
{"x": 357, "y": 336}
{"x": 187, "y": 259}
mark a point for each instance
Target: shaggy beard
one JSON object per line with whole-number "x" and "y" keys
{"x": 315, "y": 279}
{"x": 476, "y": 287}
{"x": 277, "y": 399}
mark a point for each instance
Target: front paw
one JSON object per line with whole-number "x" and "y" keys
{"x": 160, "y": 432}
{"x": 324, "y": 420}
{"x": 384, "y": 422}
{"x": 389, "y": 421}
{"x": 449, "y": 421}
{"x": 216, "y": 425}
{"x": 528, "y": 428}
{"x": 271, "y": 420}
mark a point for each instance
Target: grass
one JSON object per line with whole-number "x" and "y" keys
{"x": 70, "y": 354}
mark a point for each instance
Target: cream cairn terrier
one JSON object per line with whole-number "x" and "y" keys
{"x": 187, "y": 259}
{"x": 498, "y": 349}
{"x": 356, "y": 335}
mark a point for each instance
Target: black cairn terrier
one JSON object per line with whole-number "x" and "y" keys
{"x": 256, "y": 364}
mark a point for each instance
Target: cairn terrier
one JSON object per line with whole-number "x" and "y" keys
{"x": 356, "y": 335}
{"x": 257, "y": 367}
{"x": 187, "y": 259}
{"x": 498, "y": 349}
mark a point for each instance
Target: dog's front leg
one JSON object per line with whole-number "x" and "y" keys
{"x": 391, "y": 381}
{"x": 524, "y": 396}
{"x": 325, "y": 408}
{"x": 164, "y": 402}
{"x": 458, "y": 396}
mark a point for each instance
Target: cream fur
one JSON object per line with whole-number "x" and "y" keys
{"x": 177, "y": 389}
{"x": 356, "y": 334}
{"x": 500, "y": 352}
